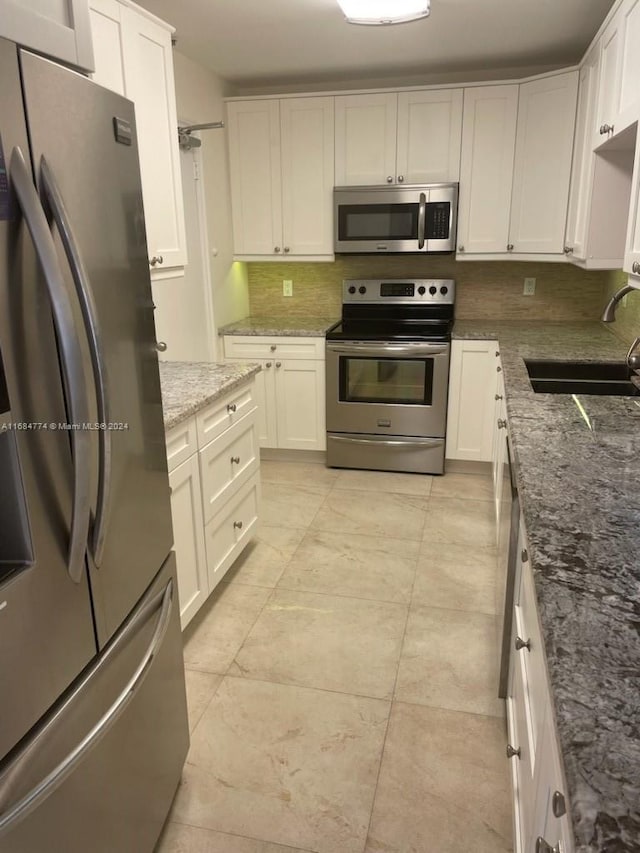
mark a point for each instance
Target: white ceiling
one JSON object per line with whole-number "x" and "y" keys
{"x": 257, "y": 43}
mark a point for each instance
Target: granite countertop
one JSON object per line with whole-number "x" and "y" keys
{"x": 578, "y": 473}
{"x": 299, "y": 327}
{"x": 188, "y": 386}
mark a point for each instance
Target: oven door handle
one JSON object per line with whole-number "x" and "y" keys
{"x": 388, "y": 442}
{"x": 384, "y": 350}
{"x": 422, "y": 220}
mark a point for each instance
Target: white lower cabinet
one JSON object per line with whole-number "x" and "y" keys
{"x": 472, "y": 391}
{"x": 499, "y": 456}
{"x": 290, "y": 390}
{"x": 214, "y": 475}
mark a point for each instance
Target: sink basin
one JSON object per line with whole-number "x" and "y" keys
{"x": 580, "y": 377}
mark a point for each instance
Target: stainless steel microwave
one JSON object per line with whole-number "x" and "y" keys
{"x": 418, "y": 218}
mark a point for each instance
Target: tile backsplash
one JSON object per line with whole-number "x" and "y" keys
{"x": 485, "y": 290}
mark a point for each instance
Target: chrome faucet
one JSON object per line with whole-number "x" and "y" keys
{"x": 609, "y": 315}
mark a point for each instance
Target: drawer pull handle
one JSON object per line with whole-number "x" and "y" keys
{"x": 511, "y": 752}
{"x": 237, "y": 525}
{"x": 523, "y": 644}
{"x": 558, "y": 804}
{"x": 231, "y": 407}
{"x": 543, "y": 846}
{"x": 524, "y": 555}
{"x": 235, "y": 460}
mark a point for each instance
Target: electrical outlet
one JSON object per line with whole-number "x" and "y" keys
{"x": 287, "y": 287}
{"x": 529, "y": 286}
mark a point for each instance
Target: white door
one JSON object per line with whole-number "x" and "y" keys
{"x": 149, "y": 83}
{"x": 542, "y": 169}
{"x": 366, "y": 139}
{"x": 106, "y": 29}
{"x": 188, "y": 537}
{"x": 632, "y": 253}
{"x": 429, "y": 136}
{"x": 265, "y": 394}
{"x": 486, "y": 169}
{"x": 300, "y": 404}
{"x": 628, "y": 103}
{"x": 472, "y": 389}
{"x": 307, "y": 144}
{"x": 254, "y": 160}
{"x": 609, "y": 80}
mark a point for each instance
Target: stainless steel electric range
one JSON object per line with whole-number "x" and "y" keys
{"x": 388, "y": 375}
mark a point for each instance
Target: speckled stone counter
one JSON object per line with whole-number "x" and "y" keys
{"x": 299, "y": 327}
{"x": 188, "y": 386}
{"x": 578, "y": 471}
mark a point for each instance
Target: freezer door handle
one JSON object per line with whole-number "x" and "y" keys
{"x": 71, "y": 358}
{"x": 53, "y": 197}
{"x": 9, "y": 778}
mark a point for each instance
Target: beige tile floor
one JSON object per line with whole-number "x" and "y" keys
{"x": 341, "y": 681}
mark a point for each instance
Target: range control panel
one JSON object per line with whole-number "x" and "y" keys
{"x": 434, "y": 291}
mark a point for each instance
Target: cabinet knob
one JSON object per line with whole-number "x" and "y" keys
{"x": 502, "y": 424}
{"x": 461, "y": 248}
{"x": 286, "y": 250}
{"x": 273, "y": 347}
{"x": 389, "y": 179}
{"x": 156, "y": 259}
{"x": 400, "y": 179}
{"x": 524, "y": 556}
{"x": 522, "y": 644}
{"x": 498, "y": 369}
{"x": 235, "y": 460}
{"x": 606, "y": 128}
{"x": 268, "y": 364}
{"x": 276, "y": 249}
{"x": 498, "y": 397}
{"x": 511, "y": 752}
{"x": 497, "y": 353}
{"x": 635, "y": 267}
{"x": 543, "y": 846}
{"x": 568, "y": 250}
{"x": 231, "y": 407}
{"x": 509, "y": 247}
{"x": 278, "y": 364}
{"x": 558, "y": 804}
{"x": 161, "y": 346}
{"x": 237, "y": 525}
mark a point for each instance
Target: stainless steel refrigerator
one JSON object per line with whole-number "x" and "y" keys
{"x": 93, "y": 723}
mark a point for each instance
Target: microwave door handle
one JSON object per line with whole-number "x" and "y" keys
{"x": 54, "y": 199}
{"x": 70, "y": 356}
{"x": 422, "y": 220}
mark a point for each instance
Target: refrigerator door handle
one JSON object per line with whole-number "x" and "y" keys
{"x": 26, "y": 804}
{"x": 70, "y": 356}
{"x": 53, "y": 196}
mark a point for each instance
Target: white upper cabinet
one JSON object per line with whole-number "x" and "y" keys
{"x": 389, "y": 138}
{"x": 134, "y": 58}
{"x": 619, "y": 93}
{"x": 542, "y": 168}
{"x": 486, "y": 169}
{"x": 281, "y": 163}
{"x": 58, "y": 28}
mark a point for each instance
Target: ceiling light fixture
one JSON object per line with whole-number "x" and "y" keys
{"x": 381, "y": 12}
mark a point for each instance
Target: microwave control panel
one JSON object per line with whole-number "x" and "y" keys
{"x": 438, "y": 220}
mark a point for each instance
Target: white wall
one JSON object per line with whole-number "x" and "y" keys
{"x": 199, "y": 95}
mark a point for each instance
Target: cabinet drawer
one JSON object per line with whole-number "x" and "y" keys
{"x": 230, "y": 531}
{"x": 227, "y": 463}
{"x": 254, "y": 347}
{"x": 225, "y": 412}
{"x": 522, "y": 765}
{"x": 181, "y": 443}
{"x": 534, "y": 667}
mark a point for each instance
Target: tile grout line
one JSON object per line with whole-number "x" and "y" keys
{"x": 236, "y": 835}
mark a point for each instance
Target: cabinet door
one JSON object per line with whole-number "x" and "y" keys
{"x": 106, "y": 27}
{"x": 472, "y": 389}
{"x": 254, "y": 160}
{"x": 486, "y": 169}
{"x": 188, "y": 538}
{"x": 148, "y": 65}
{"x": 57, "y": 28}
{"x": 609, "y": 79}
{"x": 366, "y": 139}
{"x": 628, "y": 103}
{"x": 265, "y": 393}
{"x": 632, "y": 253}
{"x": 429, "y": 136}
{"x": 583, "y": 157}
{"x": 300, "y": 404}
{"x": 307, "y": 143}
{"x": 542, "y": 169}
{"x": 499, "y": 448}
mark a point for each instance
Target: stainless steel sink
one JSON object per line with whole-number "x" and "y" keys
{"x": 580, "y": 377}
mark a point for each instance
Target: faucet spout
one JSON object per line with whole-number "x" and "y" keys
{"x": 609, "y": 313}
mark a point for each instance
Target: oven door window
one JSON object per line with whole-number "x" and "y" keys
{"x": 378, "y": 222}
{"x": 386, "y": 380}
